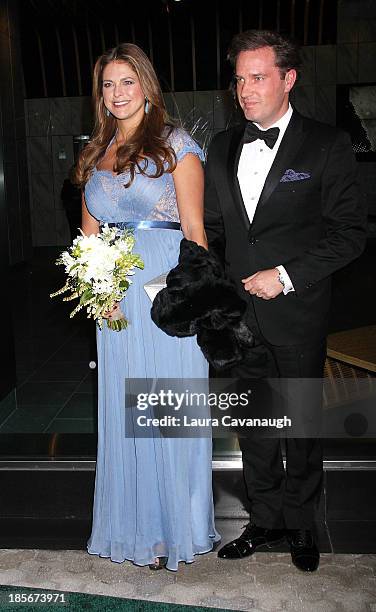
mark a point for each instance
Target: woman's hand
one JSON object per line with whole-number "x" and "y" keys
{"x": 115, "y": 310}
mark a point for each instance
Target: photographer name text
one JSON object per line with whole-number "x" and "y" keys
{"x": 224, "y": 421}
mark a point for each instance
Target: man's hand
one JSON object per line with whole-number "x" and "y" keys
{"x": 264, "y": 284}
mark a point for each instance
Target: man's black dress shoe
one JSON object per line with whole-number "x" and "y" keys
{"x": 252, "y": 538}
{"x": 304, "y": 552}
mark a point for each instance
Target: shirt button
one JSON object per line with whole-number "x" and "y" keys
{"x": 261, "y": 150}
{"x": 255, "y": 173}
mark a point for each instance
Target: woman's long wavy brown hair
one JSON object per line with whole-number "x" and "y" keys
{"x": 149, "y": 139}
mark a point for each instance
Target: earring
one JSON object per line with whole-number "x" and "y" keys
{"x": 147, "y": 106}
{"x": 107, "y": 112}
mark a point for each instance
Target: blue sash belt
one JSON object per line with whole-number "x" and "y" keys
{"x": 146, "y": 225}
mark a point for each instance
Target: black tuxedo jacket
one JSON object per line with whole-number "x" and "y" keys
{"x": 311, "y": 222}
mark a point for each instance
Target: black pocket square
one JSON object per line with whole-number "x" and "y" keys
{"x": 199, "y": 299}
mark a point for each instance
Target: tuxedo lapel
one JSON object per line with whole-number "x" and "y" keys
{"x": 288, "y": 149}
{"x": 235, "y": 150}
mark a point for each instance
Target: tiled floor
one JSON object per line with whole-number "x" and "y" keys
{"x": 264, "y": 582}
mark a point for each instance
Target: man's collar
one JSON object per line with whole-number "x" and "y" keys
{"x": 282, "y": 122}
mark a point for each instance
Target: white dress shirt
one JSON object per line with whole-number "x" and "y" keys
{"x": 255, "y": 162}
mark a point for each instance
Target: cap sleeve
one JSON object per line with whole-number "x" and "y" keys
{"x": 182, "y": 143}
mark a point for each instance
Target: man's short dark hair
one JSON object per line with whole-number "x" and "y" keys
{"x": 286, "y": 51}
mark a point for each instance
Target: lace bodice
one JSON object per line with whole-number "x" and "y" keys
{"x": 147, "y": 198}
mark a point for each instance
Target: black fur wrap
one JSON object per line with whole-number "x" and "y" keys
{"x": 200, "y": 300}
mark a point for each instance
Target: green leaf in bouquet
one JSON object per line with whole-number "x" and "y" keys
{"x": 86, "y": 296}
{"x": 76, "y": 265}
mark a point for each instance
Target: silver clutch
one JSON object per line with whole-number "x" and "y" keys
{"x": 155, "y": 285}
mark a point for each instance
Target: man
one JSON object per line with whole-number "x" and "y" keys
{"x": 282, "y": 210}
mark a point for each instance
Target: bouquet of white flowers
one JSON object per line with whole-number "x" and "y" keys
{"x": 98, "y": 269}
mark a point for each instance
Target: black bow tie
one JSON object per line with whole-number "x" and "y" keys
{"x": 252, "y": 133}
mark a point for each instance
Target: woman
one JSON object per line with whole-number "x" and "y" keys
{"x": 153, "y": 497}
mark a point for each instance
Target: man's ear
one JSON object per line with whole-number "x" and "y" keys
{"x": 290, "y": 78}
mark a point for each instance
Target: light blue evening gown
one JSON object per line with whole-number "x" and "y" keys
{"x": 153, "y": 496}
